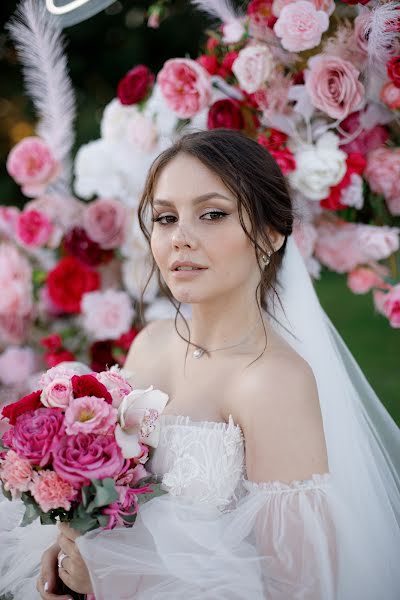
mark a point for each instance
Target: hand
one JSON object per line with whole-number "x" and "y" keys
{"x": 73, "y": 571}
{"x": 46, "y": 584}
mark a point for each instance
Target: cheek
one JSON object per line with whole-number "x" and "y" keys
{"x": 158, "y": 249}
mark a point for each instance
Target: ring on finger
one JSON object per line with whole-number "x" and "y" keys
{"x": 60, "y": 558}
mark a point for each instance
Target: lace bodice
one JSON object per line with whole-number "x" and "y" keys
{"x": 200, "y": 460}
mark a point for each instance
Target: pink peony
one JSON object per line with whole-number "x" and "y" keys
{"x": 89, "y": 415}
{"x": 50, "y": 491}
{"x": 32, "y": 165}
{"x": 116, "y": 385}
{"x": 390, "y": 95}
{"x": 8, "y": 221}
{"x": 58, "y": 393}
{"x": 16, "y": 473}
{"x": 383, "y": 175}
{"x": 333, "y": 86}
{"x": 185, "y": 85}
{"x": 252, "y": 67}
{"x": 362, "y": 280}
{"x": 83, "y": 457}
{"x": 34, "y": 432}
{"x": 300, "y": 26}
{"x": 16, "y": 365}
{"x": 15, "y": 282}
{"x": 105, "y": 221}
{"x": 108, "y": 314}
{"x": 33, "y": 228}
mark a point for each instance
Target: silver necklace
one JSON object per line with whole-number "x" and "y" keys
{"x": 199, "y": 352}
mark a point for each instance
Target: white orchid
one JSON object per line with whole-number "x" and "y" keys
{"x": 138, "y": 420}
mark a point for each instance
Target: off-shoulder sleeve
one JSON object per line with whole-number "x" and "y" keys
{"x": 279, "y": 542}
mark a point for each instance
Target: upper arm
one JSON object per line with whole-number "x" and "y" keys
{"x": 282, "y": 422}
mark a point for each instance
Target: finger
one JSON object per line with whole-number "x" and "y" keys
{"x": 69, "y": 548}
{"x": 68, "y": 531}
{"x": 67, "y": 579}
{"x": 46, "y": 595}
{"x": 48, "y": 570}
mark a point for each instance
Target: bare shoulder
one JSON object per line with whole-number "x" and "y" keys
{"x": 278, "y": 408}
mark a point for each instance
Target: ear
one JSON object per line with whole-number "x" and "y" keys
{"x": 276, "y": 238}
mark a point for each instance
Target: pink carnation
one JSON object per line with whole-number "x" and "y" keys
{"x": 362, "y": 280}
{"x": 33, "y": 228}
{"x": 185, "y": 86}
{"x": 383, "y": 175}
{"x": 16, "y": 473}
{"x": 300, "y": 26}
{"x": 333, "y": 86}
{"x": 50, "y": 491}
{"x": 107, "y": 315}
{"x": 32, "y": 165}
{"x": 16, "y": 365}
{"x": 105, "y": 221}
{"x": 15, "y": 282}
{"x": 89, "y": 415}
{"x": 116, "y": 385}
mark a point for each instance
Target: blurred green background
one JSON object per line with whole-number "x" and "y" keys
{"x": 100, "y": 51}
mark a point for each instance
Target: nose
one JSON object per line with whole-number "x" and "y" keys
{"x": 182, "y": 237}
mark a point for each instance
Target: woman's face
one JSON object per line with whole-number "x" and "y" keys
{"x": 197, "y": 240}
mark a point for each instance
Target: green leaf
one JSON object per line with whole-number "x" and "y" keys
{"x": 32, "y": 512}
{"x": 84, "y": 524}
{"x": 103, "y": 520}
{"x": 105, "y": 493}
{"x": 157, "y": 491}
{"x": 6, "y": 494}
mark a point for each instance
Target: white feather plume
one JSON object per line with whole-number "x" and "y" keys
{"x": 40, "y": 47}
{"x": 222, "y": 9}
{"x": 383, "y": 33}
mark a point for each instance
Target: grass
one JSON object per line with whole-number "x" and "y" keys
{"x": 374, "y": 344}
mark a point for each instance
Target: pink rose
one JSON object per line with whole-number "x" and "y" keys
{"x": 327, "y": 6}
{"x": 33, "y": 228}
{"x": 300, "y": 26}
{"x": 15, "y": 282}
{"x": 333, "y": 86}
{"x": 361, "y": 32}
{"x": 65, "y": 211}
{"x": 89, "y": 415}
{"x": 389, "y": 304}
{"x": 383, "y": 175}
{"x": 16, "y": 473}
{"x": 105, "y": 221}
{"x": 32, "y": 165}
{"x": 58, "y": 393}
{"x": 390, "y": 95}
{"x": 185, "y": 85}
{"x": 50, "y": 491}
{"x": 8, "y": 221}
{"x": 367, "y": 140}
{"x": 117, "y": 385}
{"x": 252, "y": 67}
{"x": 16, "y": 364}
{"x": 59, "y": 371}
{"x": 83, "y": 457}
{"x": 362, "y": 280}
{"x": 132, "y": 476}
{"x": 13, "y": 328}
{"x": 107, "y": 315}
{"x": 34, "y": 432}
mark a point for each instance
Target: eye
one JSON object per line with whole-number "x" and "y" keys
{"x": 213, "y": 215}
{"x": 164, "y": 219}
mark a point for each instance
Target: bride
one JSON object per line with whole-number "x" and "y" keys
{"x": 277, "y": 458}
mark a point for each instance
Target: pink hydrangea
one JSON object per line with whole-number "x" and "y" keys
{"x": 15, "y": 282}
{"x": 89, "y": 415}
{"x": 383, "y": 175}
{"x": 185, "y": 85}
{"x": 32, "y": 165}
{"x": 105, "y": 221}
{"x": 16, "y": 364}
{"x": 50, "y": 491}
{"x": 116, "y": 385}
{"x": 33, "y": 228}
{"x": 333, "y": 86}
{"x": 300, "y": 26}
{"x": 362, "y": 280}
{"x": 106, "y": 315}
{"x": 16, "y": 473}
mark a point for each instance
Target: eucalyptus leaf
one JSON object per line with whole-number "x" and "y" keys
{"x": 157, "y": 491}
{"x": 84, "y": 525}
{"x": 32, "y": 512}
{"x": 105, "y": 493}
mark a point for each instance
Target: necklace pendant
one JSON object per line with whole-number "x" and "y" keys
{"x": 198, "y": 353}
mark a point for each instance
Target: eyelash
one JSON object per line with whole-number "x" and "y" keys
{"x": 211, "y": 212}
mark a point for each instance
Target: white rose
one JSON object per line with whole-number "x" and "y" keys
{"x": 96, "y": 172}
{"x": 252, "y": 67}
{"x": 141, "y": 132}
{"x": 135, "y": 272}
{"x": 318, "y": 167}
{"x": 353, "y": 194}
{"x": 115, "y": 120}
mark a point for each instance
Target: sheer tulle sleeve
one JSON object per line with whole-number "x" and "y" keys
{"x": 279, "y": 542}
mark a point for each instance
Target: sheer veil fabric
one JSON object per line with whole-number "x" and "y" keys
{"x": 217, "y": 536}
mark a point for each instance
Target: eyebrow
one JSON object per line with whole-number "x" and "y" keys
{"x": 196, "y": 200}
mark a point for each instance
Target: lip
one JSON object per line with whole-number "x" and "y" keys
{"x": 186, "y": 263}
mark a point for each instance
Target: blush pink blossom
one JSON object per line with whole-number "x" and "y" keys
{"x": 58, "y": 393}
{"x": 33, "y": 228}
{"x": 377, "y": 242}
{"x": 32, "y": 165}
{"x": 383, "y": 175}
{"x": 50, "y": 491}
{"x": 362, "y": 280}
{"x": 83, "y": 457}
{"x": 367, "y": 140}
{"x": 16, "y": 473}
{"x": 132, "y": 476}
{"x": 106, "y": 315}
{"x": 34, "y": 432}
{"x": 185, "y": 85}
{"x": 89, "y": 415}
{"x": 361, "y": 32}
{"x": 252, "y": 67}
{"x": 16, "y": 364}
{"x": 15, "y": 282}
{"x": 300, "y": 26}
{"x": 14, "y": 328}
{"x": 388, "y": 304}
{"x": 8, "y": 221}
{"x": 116, "y": 385}
{"x": 59, "y": 371}
{"x": 327, "y": 6}
{"x": 333, "y": 86}
{"x": 390, "y": 95}
{"x": 105, "y": 221}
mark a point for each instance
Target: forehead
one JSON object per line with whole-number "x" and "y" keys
{"x": 186, "y": 177}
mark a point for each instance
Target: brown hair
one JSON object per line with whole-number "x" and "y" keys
{"x": 253, "y": 176}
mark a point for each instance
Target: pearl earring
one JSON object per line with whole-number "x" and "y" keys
{"x": 266, "y": 258}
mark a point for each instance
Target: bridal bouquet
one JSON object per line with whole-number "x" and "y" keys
{"x": 77, "y": 447}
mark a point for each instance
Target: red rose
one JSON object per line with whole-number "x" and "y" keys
{"x": 212, "y": 44}
{"x": 52, "y": 359}
{"x": 14, "y": 410}
{"x": 260, "y": 11}
{"x": 101, "y": 354}
{"x": 88, "y": 385}
{"x": 68, "y": 281}
{"x": 229, "y": 59}
{"x": 272, "y": 139}
{"x": 135, "y": 86}
{"x": 393, "y": 70}
{"x": 52, "y": 342}
{"x": 79, "y": 244}
{"x": 209, "y": 62}
{"x": 285, "y": 160}
{"x": 225, "y": 113}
